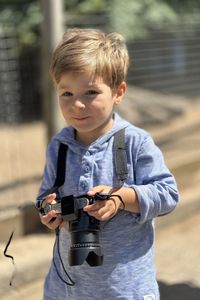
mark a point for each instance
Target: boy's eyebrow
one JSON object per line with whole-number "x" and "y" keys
{"x": 62, "y": 86}
{"x": 89, "y": 85}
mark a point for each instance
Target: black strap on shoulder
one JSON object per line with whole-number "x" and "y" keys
{"x": 61, "y": 165}
{"x": 120, "y": 155}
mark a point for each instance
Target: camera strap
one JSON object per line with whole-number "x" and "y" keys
{"x": 120, "y": 160}
{"x": 120, "y": 156}
{"x": 61, "y": 166}
{"x": 60, "y": 176}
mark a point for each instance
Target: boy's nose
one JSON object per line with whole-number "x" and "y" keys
{"x": 79, "y": 103}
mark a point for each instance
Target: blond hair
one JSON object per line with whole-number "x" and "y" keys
{"x": 89, "y": 50}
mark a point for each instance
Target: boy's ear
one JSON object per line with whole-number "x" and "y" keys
{"x": 120, "y": 92}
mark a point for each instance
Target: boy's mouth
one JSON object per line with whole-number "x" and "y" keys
{"x": 80, "y": 118}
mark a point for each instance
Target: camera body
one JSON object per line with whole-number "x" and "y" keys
{"x": 84, "y": 229}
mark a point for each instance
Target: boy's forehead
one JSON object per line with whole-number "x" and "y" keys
{"x": 70, "y": 78}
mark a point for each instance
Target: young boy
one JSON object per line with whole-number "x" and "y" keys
{"x": 89, "y": 71}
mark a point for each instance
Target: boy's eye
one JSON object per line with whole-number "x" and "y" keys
{"x": 67, "y": 94}
{"x": 91, "y": 92}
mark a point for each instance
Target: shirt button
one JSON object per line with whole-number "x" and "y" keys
{"x": 87, "y": 168}
{"x": 84, "y": 184}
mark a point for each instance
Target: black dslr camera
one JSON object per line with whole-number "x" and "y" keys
{"x": 84, "y": 229}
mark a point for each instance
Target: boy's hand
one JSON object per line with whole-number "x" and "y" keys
{"x": 52, "y": 220}
{"x": 103, "y": 210}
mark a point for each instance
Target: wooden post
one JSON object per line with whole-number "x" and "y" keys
{"x": 51, "y": 33}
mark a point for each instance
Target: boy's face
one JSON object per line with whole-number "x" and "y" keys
{"x": 87, "y": 104}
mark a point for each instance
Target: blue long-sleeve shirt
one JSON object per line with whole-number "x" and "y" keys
{"x": 127, "y": 240}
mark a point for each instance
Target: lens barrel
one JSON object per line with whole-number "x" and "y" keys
{"x": 85, "y": 245}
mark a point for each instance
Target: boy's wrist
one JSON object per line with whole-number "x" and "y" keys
{"x": 119, "y": 203}
{"x": 126, "y": 199}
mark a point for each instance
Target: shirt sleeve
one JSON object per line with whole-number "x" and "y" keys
{"x": 155, "y": 186}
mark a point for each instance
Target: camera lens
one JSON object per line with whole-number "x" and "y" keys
{"x": 85, "y": 247}
{"x": 85, "y": 243}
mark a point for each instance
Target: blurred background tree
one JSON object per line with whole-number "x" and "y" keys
{"x": 135, "y": 19}
{"x": 25, "y": 16}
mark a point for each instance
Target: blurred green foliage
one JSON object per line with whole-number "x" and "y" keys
{"x": 86, "y": 6}
{"x": 133, "y": 18}
{"x": 184, "y": 5}
{"x": 136, "y": 19}
{"x": 25, "y": 17}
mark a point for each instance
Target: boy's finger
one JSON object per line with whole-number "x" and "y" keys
{"x": 51, "y": 197}
{"x": 53, "y": 224}
{"x": 47, "y": 218}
